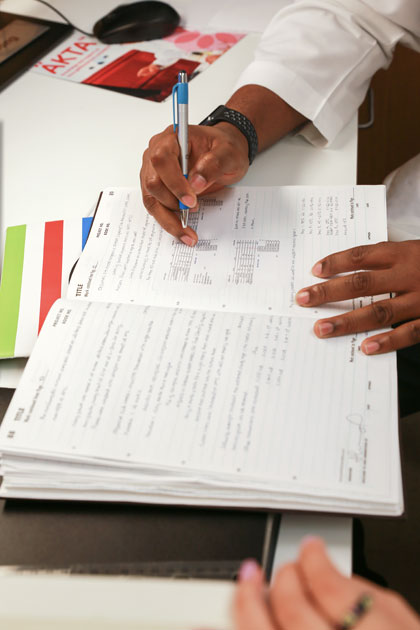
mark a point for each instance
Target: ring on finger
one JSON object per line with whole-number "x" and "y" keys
{"x": 361, "y": 607}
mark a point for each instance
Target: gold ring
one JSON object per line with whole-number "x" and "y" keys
{"x": 361, "y": 607}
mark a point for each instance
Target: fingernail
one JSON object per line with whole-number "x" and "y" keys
{"x": 187, "y": 240}
{"x": 248, "y": 570}
{"x": 317, "y": 269}
{"x": 189, "y": 200}
{"x": 310, "y": 539}
{"x": 302, "y": 297}
{"x": 198, "y": 182}
{"x": 370, "y": 347}
{"x": 325, "y": 328}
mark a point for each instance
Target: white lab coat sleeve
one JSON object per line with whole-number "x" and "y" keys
{"x": 320, "y": 56}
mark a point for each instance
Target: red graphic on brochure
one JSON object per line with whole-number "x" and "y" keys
{"x": 142, "y": 69}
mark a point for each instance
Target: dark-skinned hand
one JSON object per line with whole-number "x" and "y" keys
{"x": 383, "y": 268}
{"x": 218, "y": 157}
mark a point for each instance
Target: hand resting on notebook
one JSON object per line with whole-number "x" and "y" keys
{"x": 387, "y": 268}
{"x": 311, "y": 594}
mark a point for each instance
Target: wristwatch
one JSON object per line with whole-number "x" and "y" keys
{"x": 241, "y": 122}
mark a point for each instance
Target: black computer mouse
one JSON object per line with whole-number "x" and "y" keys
{"x": 137, "y": 22}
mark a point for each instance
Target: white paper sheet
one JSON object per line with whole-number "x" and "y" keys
{"x": 206, "y": 393}
{"x": 256, "y": 249}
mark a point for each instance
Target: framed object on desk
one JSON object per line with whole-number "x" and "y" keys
{"x": 24, "y": 40}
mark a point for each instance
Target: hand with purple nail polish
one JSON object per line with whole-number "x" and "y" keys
{"x": 311, "y": 594}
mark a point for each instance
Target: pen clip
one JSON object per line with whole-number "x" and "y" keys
{"x": 175, "y": 109}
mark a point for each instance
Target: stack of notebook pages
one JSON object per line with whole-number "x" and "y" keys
{"x": 190, "y": 376}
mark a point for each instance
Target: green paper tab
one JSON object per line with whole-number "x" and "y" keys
{"x": 11, "y": 283}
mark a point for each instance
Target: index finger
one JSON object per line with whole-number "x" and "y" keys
{"x": 169, "y": 220}
{"x": 377, "y": 256}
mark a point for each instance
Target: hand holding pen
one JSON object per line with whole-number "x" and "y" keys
{"x": 218, "y": 157}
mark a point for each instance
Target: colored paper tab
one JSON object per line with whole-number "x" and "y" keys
{"x": 10, "y": 288}
{"x": 86, "y": 225}
{"x": 51, "y": 269}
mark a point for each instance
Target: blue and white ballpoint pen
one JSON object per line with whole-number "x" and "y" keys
{"x": 180, "y": 113}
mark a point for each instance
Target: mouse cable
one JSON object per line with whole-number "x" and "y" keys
{"x": 47, "y": 4}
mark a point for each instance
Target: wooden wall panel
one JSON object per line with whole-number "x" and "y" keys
{"x": 395, "y": 135}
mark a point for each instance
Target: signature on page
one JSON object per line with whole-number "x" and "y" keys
{"x": 354, "y": 454}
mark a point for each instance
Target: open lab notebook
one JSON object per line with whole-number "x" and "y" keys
{"x": 190, "y": 376}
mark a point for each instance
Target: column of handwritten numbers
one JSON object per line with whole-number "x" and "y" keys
{"x": 182, "y": 256}
{"x": 266, "y": 397}
{"x": 244, "y": 262}
{"x": 316, "y": 202}
{"x": 309, "y": 254}
{"x": 345, "y": 221}
{"x": 337, "y": 216}
{"x": 206, "y": 246}
{"x": 306, "y": 229}
{"x": 329, "y": 216}
{"x": 190, "y": 413}
{"x": 302, "y": 217}
{"x": 181, "y": 263}
{"x": 284, "y": 430}
{"x": 193, "y": 220}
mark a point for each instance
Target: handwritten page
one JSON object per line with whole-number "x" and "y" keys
{"x": 158, "y": 398}
{"x": 256, "y": 248}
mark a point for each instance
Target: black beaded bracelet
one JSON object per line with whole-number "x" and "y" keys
{"x": 241, "y": 122}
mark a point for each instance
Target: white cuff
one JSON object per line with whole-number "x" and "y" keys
{"x": 326, "y": 124}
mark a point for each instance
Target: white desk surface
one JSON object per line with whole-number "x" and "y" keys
{"x": 62, "y": 142}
